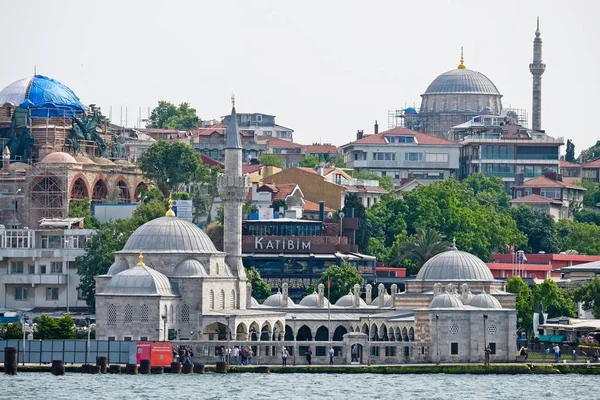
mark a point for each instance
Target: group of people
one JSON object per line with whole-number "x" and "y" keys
{"x": 235, "y": 356}
{"x": 183, "y": 354}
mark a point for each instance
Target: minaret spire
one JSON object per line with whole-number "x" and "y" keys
{"x": 537, "y": 68}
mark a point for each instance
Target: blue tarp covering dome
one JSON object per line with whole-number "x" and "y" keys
{"x": 43, "y": 96}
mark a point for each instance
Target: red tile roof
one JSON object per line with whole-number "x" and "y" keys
{"x": 567, "y": 164}
{"x": 250, "y": 168}
{"x": 421, "y": 138}
{"x": 310, "y": 206}
{"x": 310, "y": 170}
{"x": 543, "y": 182}
{"x": 534, "y": 198}
{"x": 321, "y": 148}
{"x": 592, "y": 164}
{"x": 211, "y": 162}
{"x": 277, "y": 143}
{"x": 284, "y": 190}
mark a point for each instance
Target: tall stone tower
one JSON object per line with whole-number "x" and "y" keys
{"x": 537, "y": 68}
{"x": 233, "y": 188}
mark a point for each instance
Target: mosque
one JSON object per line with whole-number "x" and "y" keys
{"x": 169, "y": 282}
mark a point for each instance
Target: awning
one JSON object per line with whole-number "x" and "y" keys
{"x": 552, "y": 338}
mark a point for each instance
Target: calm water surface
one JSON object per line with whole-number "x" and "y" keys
{"x": 297, "y": 386}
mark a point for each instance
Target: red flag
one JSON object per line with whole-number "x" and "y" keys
{"x": 329, "y": 283}
{"x": 512, "y": 248}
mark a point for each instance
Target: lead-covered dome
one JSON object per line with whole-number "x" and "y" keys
{"x": 446, "y": 300}
{"x": 348, "y": 301}
{"x": 189, "y": 268}
{"x": 387, "y": 300}
{"x": 312, "y": 300}
{"x": 139, "y": 281}
{"x": 484, "y": 300}
{"x": 276, "y": 300}
{"x": 169, "y": 235}
{"x": 118, "y": 267}
{"x": 455, "y": 265}
{"x": 462, "y": 81}
{"x": 43, "y": 96}
{"x": 59, "y": 157}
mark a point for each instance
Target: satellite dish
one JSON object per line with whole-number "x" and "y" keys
{"x": 329, "y": 215}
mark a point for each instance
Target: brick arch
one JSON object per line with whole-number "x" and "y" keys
{"x": 123, "y": 184}
{"x": 80, "y": 175}
{"x": 99, "y": 189}
{"x": 137, "y": 195}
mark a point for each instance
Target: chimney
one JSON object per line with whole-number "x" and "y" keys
{"x": 368, "y": 293}
{"x": 519, "y": 179}
{"x": 321, "y": 210}
{"x": 360, "y": 134}
{"x": 321, "y": 295}
{"x": 284, "y": 294}
{"x": 6, "y": 160}
{"x": 356, "y": 301}
{"x": 376, "y": 128}
{"x": 248, "y": 294}
{"x": 380, "y": 295}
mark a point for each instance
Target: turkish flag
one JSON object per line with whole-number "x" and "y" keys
{"x": 328, "y": 283}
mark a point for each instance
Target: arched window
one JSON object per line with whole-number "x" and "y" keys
{"x": 232, "y": 300}
{"x": 112, "y": 315}
{"x": 128, "y": 314}
{"x": 165, "y": 312}
{"x": 185, "y": 314}
{"x": 171, "y": 314}
{"x": 222, "y": 300}
{"x": 144, "y": 314}
{"x": 211, "y": 300}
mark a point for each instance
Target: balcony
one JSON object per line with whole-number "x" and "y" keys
{"x": 499, "y": 174}
{"x": 35, "y": 279}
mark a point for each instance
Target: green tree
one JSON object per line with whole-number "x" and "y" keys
{"x": 420, "y": 247}
{"x": 83, "y": 209}
{"x": 167, "y": 115}
{"x": 384, "y": 180}
{"x": 553, "y": 299}
{"x": 539, "y": 227}
{"x": 570, "y": 153}
{"x": 489, "y": 190}
{"x": 260, "y": 288}
{"x": 343, "y": 278}
{"x": 338, "y": 161}
{"x": 583, "y": 237}
{"x": 310, "y": 161}
{"x": 587, "y": 215}
{"x": 591, "y": 197}
{"x": 589, "y": 295}
{"x": 591, "y": 153}
{"x": 215, "y": 233}
{"x": 277, "y": 203}
{"x": 48, "y": 327}
{"x": 170, "y": 164}
{"x": 523, "y": 302}
{"x": 362, "y": 233}
{"x": 181, "y": 196}
{"x": 272, "y": 159}
{"x": 11, "y": 331}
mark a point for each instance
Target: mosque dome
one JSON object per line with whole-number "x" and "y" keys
{"x": 254, "y": 302}
{"x": 312, "y": 300}
{"x": 84, "y": 160}
{"x": 462, "y": 81}
{"x": 276, "y": 300}
{"x": 169, "y": 235}
{"x": 118, "y": 267}
{"x": 455, "y": 265}
{"x": 446, "y": 300}
{"x": 189, "y": 268}
{"x": 484, "y": 300}
{"x": 59, "y": 158}
{"x": 348, "y": 301}
{"x": 139, "y": 281}
{"x": 387, "y": 300}
{"x": 44, "y": 96}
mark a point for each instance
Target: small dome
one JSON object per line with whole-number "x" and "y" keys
{"x": 118, "y": 266}
{"x": 484, "y": 300}
{"x": 190, "y": 267}
{"x": 124, "y": 163}
{"x": 462, "y": 81}
{"x": 312, "y": 300}
{"x": 254, "y": 302}
{"x": 169, "y": 235}
{"x": 387, "y": 300}
{"x": 84, "y": 160}
{"x": 348, "y": 301}
{"x": 276, "y": 300}
{"x": 19, "y": 166}
{"x": 102, "y": 161}
{"x": 455, "y": 265}
{"x": 58, "y": 158}
{"x": 445, "y": 300}
{"x": 139, "y": 281}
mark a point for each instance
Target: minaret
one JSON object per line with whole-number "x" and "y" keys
{"x": 233, "y": 189}
{"x": 537, "y": 68}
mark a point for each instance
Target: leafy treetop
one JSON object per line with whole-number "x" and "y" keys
{"x": 167, "y": 115}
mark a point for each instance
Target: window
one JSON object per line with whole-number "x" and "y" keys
{"x": 16, "y": 239}
{"x": 551, "y": 193}
{"x": 268, "y": 133}
{"x": 144, "y": 313}
{"x": 413, "y": 157}
{"x": 20, "y": 293}
{"x": 55, "y": 267}
{"x": 375, "y": 351}
{"x": 31, "y": 269}
{"x": 185, "y": 313}
{"x": 51, "y": 293}
{"x": 493, "y": 348}
{"x": 454, "y": 329}
{"x": 143, "y": 338}
{"x": 16, "y": 267}
{"x": 42, "y": 269}
{"x": 112, "y": 315}
{"x": 390, "y": 351}
{"x": 454, "y": 348}
{"x": 384, "y": 156}
{"x": 128, "y": 314}
{"x": 80, "y": 294}
{"x": 436, "y": 157}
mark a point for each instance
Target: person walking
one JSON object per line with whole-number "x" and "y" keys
{"x": 245, "y": 355}
{"x": 250, "y": 355}
{"x": 331, "y": 354}
{"x": 308, "y": 355}
{"x": 575, "y": 355}
{"x": 236, "y": 355}
{"x": 284, "y": 356}
{"x": 556, "y": 353}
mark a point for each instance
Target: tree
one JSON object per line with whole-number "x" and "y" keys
{"x": 278, "y": 203}
{"x": 425, "y": 244}
{"x": 338, "y": 161}
{"x": 570, "y": 153}
{"x": 170, "y": 164}
{"x": 11, "y": 331}
{"x": 523, "y": 302}
{"x": 588, "y": 216}
{"x": 310, "y": 162}
{"x": 215, "y": 233}
{"x": 553, "y": 299}
{"x": 48, "y": 327}
{"x": 272, "y": 159}
{"x": 260, "y": 288}
{"x": 589, "y": 295}
{"x": 579, "y": 236}
{"x": 489, "y": 190}
{"x": 343, "y": 278}
{"x": 167, "y": 115}
{"x": 384, "y": 180}
{"x": 362, "y": 233}
{"x": 539, "y": 227}
{"x": 591, "y": 197}
{"x": 83, "y": 209}
{"x": 591, "y": 153}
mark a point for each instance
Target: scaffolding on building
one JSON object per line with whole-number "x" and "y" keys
{"x": 48, "y": 188}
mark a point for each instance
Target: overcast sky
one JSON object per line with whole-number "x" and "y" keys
{"x": 324, "y": 68}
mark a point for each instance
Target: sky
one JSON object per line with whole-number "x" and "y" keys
{"x": 323, "y": 68}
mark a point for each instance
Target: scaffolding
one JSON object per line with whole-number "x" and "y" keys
{"x": 48, "y": 187}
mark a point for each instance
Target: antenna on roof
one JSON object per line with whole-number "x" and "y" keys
{"x": 34, "y": 70}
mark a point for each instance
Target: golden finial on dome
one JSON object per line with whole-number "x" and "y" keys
{"x": 462, "y": 60}
{"x": 170, "y": 212}
{"x": 140, "y": 260}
